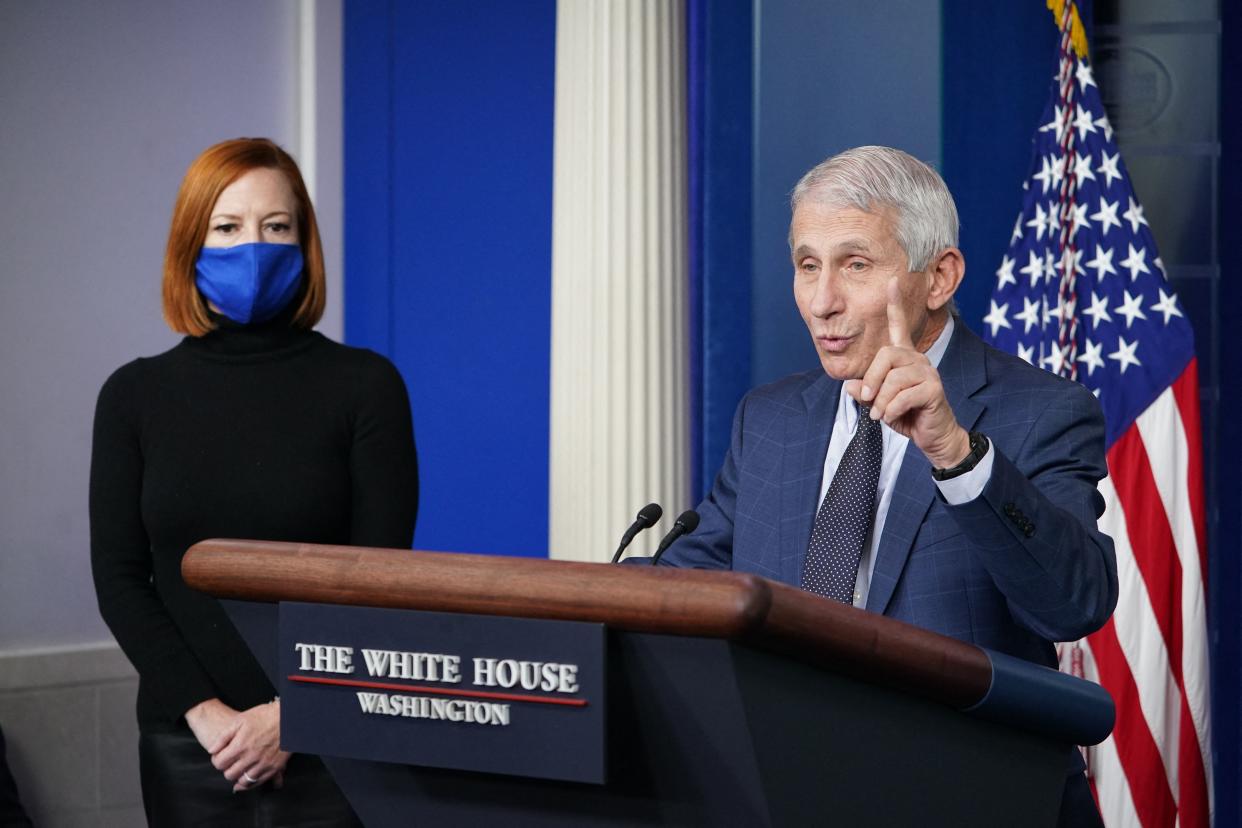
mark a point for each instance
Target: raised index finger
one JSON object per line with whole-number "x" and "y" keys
{"x": 898, "y": 327}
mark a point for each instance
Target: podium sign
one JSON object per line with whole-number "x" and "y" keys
{"x": 502, "y": 695}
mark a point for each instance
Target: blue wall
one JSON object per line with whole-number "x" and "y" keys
{"x": 829, "y": 76}
{"x": 1225, "y": 498}
{"x": 448, "y": 249}
{"x": 998, "y": 60}
{"x": 824, "y": 76}
{"x": 720, "y": 76}
{"x": 775, "y": 90}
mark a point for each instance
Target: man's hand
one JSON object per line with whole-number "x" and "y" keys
{"x": 903, "y": 389}
{"x": 248, "y": 751}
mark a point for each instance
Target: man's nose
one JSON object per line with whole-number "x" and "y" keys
{"x": 827, "y": 298}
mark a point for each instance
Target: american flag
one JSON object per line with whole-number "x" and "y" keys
{"x": 1082, "y": 292}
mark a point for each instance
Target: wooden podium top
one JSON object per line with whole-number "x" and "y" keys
{"x": 729, "y": 605}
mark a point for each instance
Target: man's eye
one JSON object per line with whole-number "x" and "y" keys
{"x": 856, "y": 266}
{"x": 810, "y": 267}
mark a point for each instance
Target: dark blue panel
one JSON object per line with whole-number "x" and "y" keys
{"x": 469, "y": 204}
{"x": 997, "y": 61}
{"x": 1198, "y": 298}
{"x": 1225, "y": 497}
{"x": 368, "y": 52}
{"x": 830, "y": 75}
{"x": 720, "y": 77}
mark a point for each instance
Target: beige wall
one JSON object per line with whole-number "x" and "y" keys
{"x": 104, "y": 106}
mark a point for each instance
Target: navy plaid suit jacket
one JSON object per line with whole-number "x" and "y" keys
{"x": 972, "y": 571}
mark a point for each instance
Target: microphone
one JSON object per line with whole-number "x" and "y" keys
{"x": 647, "y": 517}
{"x": 686, "y": 523}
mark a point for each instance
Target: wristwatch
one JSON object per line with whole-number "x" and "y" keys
{"x": 978, "y": 448}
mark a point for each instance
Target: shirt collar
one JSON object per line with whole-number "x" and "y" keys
{"x": 936, "y": 352}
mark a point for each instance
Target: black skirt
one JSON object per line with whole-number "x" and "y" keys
{"x": 181, "y": 788}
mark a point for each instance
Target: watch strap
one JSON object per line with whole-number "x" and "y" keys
{"x": 978, "y": 448}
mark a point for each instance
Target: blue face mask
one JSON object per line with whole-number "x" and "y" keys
{"x": 249, "y": 282}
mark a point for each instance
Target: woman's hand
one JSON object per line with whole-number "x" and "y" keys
{"x": 248, "y": 750}
{"x": 209, "y": 721}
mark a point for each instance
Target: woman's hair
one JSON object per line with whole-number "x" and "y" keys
{"x": 185, "y": 310}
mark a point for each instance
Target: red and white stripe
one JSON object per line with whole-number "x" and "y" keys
{"x": 1155, "y": 769}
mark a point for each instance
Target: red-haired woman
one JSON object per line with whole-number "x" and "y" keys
{"x": 254, "y": 426}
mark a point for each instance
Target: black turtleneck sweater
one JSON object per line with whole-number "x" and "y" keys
{"x": 258, "y": 432}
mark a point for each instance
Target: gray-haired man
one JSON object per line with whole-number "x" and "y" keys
{"x": 921, "y": 473}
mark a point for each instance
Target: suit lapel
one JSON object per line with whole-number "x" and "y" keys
{"x": 963, "y": 372}
{"x": 806, "y": 444}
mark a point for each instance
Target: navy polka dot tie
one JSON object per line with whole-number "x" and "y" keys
{"x": 844, "y": 518}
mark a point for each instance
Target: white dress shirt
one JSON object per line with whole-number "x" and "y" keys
{"x": 960, "y": 489}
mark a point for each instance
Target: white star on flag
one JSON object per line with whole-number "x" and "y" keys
{"x": 1084, "y": 76}
{"x": 1050, "y": 312}
{"x": 1125, "y": 353}
{"x": 1108, "y": 167}
{"x": 1084, "y": 123}
{"x": 1082, "y": 168}
{"x": 1044, "y": 176}
{"x": 1091, "y": 356}
{"x": 1107, "y": 215}
{"x": 1103, "y": 123}
{"x": 1098, "y": 310}
{"x": 1130, "y": 308}
{"x": 1034, "y": 269}
{"x": 1134, "y": 215}
{"x": 996, "y": 317}
{"x": 1040, "y": 222}
{"x": 1136, "y": 262}
{"x": 1057, "y": 124}
{"x": 1103, "y": 263}
{"x": 1055, "y": 358}
{"x": 1029, "y": 315}
{"x": 1072, "y": 259}
{"x": 1167, "y": 305}
{"x": 1050, "y": 266}
{"x": 1004, "y": 274}
{"x": 1079, "y": 220}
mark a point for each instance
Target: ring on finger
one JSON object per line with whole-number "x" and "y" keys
{"x": 250, "y": 780}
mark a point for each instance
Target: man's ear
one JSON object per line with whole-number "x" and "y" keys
{"x": 943, "y": 277}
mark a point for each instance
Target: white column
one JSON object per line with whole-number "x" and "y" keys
{"x": 619, "y": 408}
{"x": 320, "y": 140}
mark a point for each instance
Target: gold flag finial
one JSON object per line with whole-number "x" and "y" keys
{"x": 1078, "y": 35}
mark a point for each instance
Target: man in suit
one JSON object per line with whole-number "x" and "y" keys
{"x": 921, "y": 474}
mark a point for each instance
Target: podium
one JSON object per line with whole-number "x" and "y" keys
{"x": 724, "y": 698}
